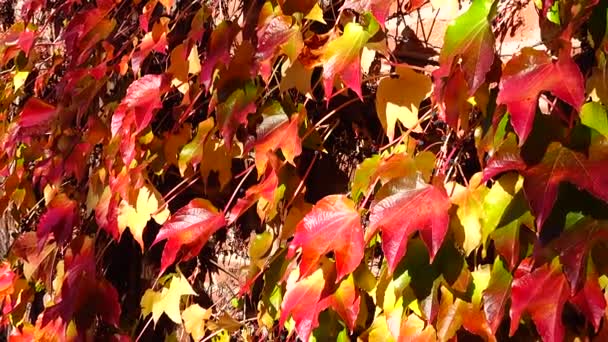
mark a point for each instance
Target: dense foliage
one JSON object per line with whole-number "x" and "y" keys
{"x": 366, "y": 192}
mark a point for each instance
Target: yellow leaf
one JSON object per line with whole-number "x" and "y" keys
{"x": 470, "y": 212}
{"x": 19, "y": 78}
{"x": 316, "y": 14}
{"x": 398, "y": 99}
{"x": 194, "y": 63}
{"x": 166, "y": 301}
{"x": 195, "y": 318}
{"x": 136, "y": 217}
{"x": 295, "y": 76}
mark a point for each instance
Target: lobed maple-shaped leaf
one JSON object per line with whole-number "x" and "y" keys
{"x": 192, "y": 153}
{"x": 333, "y": 225}
{"x": 574, "y": 246}
{"x": 342, "y": 57}
{"x": 542, "y": 293}
{"x": 148, "y": 204}
{"x": 398, "y": 99}
{"x": 167, "y": 300}
{"x": 470, "y": 38}
{"x": 590, "y": 300}
{"x": 84, "y": 296}
{"x": 379, "y": 8}
{"x": 218, "y": 50}
{"x": 155, "y": 40}
{"x": 187, "y": 230}
{"x": 345, "y": 301}
{"x": 60, "y": 218}
{"x": 233, "y": 112}
{"x": 277, "y": 131}
{"x": 496, "y": 294}
{"x": 136, "y": 110}
{"x": 301, "y": 303}
{"x": 528, "y": 74}
{"x": 559, "y": 164}
{"x": 267, "y": 193}
{"x": 404, "y": 207}
{"x": 34, "y": 119}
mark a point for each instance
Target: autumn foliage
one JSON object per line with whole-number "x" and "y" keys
{"x": 365, "y": 192}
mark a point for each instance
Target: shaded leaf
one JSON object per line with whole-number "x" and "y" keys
{"x": 342, "y": 57}
{"x": 593, "y": 115}
{"x": 345, "y": 301}
{"x": 496, "y": 295}
{"x": 301, "y": 303}
{"x": 188, "y": 229}
{"x": 60, "y": 218}
{"x": 233, "y": 112}
{"x": 528, "y": 74}
{"x": 529, "y": 294}
{"x": 166, "y": 301}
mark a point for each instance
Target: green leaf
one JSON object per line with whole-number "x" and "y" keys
{"x": 593, "y": 115}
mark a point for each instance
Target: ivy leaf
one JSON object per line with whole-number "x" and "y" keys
{"x": 593, "y": 115}
{"x": 155, "y": 40}
{"x": 192, "y": 153}
{"x": 470, "y": 37}
{"x": 590, "y": 300}
{"x": 559, "y": 164}
{"x": 195, "y": 318}
{"x": 404, "y": 207}
{"x": 267, "y": 193}
{"x": 166, "y": 301}
{"x": 496, "y": 295}
{"x": 342, "y": 57}
{"x": 398, "y": 99}
{"x": 528, "y": 74}
{"x": 136, "y": 110}
{"x": 233, "y": 112}
{"x": 470, "y": 212}
{"x": 84, "y": 296}
{"x": 218, "y": 50}
{"x": 574, "y": 246}
{"x": 34, "y": 119}
{"x": 277, "y": 131}
{"x": 60, "y": 218}
{"x": 529, "y": 294}
{"x": 301, "y": 303}
{"x": 136, "y": 216}
{"x": 188, "y": 229}
{"x": 333, "y": 225}
{"x": 345, "y": 301}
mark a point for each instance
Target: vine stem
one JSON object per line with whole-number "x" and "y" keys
{"x": 144, "y": 328}
{"x": 237, "y": 190}
{"x": 299, "y": 188}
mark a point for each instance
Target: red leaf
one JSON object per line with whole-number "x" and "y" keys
{"x": 188, "y": 230}
{"x": 156, "y": 40}
{"x": 218, "y": 50}
{"x": 84, "y": 295}
{"x": 136, "y": 110}
{"x": 60, "y": 218}
{"x": 301, "y": 302}
{"x": 559, "y": 164}
{"x": 590, "y": 300}
{"x": 496, "y": 295}
{"x": 574, "y": 245}
{"x": 277, "y": 131}
{"x": 345, "y": 301}
{"x": 274, "y": 33}
{"x": 450, "y": 94}
{"x": 333, "y": 225}
{"x": 233, "y": 112}
{"x": 528, "y": 74}
{"x": 34, "y": 119}
{"x": 542, "y": 293}
{"x": 266, "y": 189}
{"x": 404, "y": 209}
